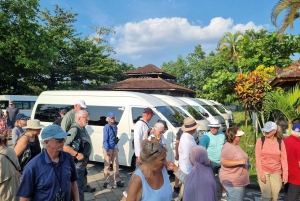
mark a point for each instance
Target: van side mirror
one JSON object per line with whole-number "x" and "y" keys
{"x": 206, "y": 114}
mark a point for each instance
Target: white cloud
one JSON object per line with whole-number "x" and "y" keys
{"x": 156, "y": 34}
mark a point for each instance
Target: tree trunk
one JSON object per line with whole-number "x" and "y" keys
{"x": 246, "y": 118}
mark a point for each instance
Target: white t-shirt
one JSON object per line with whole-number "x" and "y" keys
{"x": 185, "y": 144}
{"x": 140, "y": 129}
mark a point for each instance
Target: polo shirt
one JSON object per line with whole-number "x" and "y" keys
{"x": 292, "y": 146}
{"x": 68, "y": 120}
{"x": 40, "y": 181}
{"x": 213, "y": 144}
{"x": 186, "y": 142}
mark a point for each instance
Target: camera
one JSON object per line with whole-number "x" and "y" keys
{"x": 116, "y": 140}
{"x": 60, "y": 196}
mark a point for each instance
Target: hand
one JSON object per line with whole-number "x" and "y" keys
{"x": 139, "y": 160}
{"x": 176, "y": 157}
{"x": 285, "y": 180}
{"x": 80, "y": 157}
{"x": 108, "y": 153}
{"x": 171, "y": 166}
{"x": 263, "y": 178}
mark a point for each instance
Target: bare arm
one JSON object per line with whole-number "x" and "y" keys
{"x": 25, "y": 199}
{"x": 73, "y": 153}
{"x": 135, "y": 189}
{"x": 21, "y": 145}
{"x": 74, "y": 190}
{"x": 176, "y": 149}
{"x": 232, "y": 163}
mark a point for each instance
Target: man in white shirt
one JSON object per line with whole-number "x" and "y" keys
{"x": 186, "y": 142}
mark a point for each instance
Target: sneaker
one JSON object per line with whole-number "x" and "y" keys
{"x": 119, "y": 184}
{"x": 176, "y": 191}
{"x": 88, "y": 188}
{"x": 107, "y": 185}
{"x": 224, "y": 198}
{"x": 124, "y": 194}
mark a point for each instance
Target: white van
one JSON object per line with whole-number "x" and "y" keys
{"x": 208, "y": 112}
{"x": 127, "y": 106}
{"x": 220, "y": 110}
{"x": 24, "y": 103}
{"x": 187, "y": 111}
{"x": 224, "y": 108}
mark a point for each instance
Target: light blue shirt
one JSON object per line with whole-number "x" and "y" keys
{"x": 162, "y": 194}
{"x": 213, "y": 144}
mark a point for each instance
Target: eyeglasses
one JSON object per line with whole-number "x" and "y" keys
{"x": 160, "y": 148}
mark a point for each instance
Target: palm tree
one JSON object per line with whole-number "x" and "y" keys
{"x": 284, "y": 102}
{"x": 229, "y": 41}
{"x": 291, "y": 7}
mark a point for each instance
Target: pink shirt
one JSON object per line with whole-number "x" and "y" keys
{"x": 269, "y": 158}
{"x": 236, "y": 175}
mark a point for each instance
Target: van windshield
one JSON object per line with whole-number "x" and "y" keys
{"x": 172, "y": 115}
{"x": 210, "y": 110}
{"x": 199, "y": 109}
{"x": 196, "y": 115}
{"x": 181, "y": 111}
{"x": 221, "y": 109}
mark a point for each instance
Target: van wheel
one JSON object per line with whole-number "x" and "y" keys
{"x": 133, "y": 159}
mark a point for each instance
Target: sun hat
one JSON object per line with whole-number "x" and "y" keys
{"x": 34, "y": 124}
{"x": 81, "y": 103}
{"x": 111, "y": 115}
{"x": 53, "y": 131}
{"x": 214, "y": 123}
{"x": 269, "y": 126}
{"x": 296, "y": 129}
{"x": 239, "y": 133}
{"x": 22, "y": 116}
{"x": 189, "y": 124}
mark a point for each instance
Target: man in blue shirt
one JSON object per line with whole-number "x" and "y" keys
{"x": 52, "y": 173}
{"x": 213, "y": 142}
{"x": 110, "y": 151}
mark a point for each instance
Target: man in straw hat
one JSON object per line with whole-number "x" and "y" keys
{"x": 213, "y": 142}
{"x": 51, "y": 175}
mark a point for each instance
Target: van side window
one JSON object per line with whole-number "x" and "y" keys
{"x": 3, "y": 104}
{"x": 137, "y": 114}
{"x": 97, "y": 114}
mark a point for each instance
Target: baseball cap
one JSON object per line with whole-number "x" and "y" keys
{"x": 81, "y": 103}
{"x": 148, "y": 110}
{"x": 110, "y": 115}
{"x": 296, "y": 129}
{"x": 53, "y": 131}
{"x": 21, "y": 116}
{"x": 269, "y": 126}
{"x": 239, "y": 133}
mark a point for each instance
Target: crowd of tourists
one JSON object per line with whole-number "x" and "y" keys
{"x": 57, "y": 170}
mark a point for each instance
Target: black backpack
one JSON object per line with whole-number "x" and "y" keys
{"x": 263, "y": 141}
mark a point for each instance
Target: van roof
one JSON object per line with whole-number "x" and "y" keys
{"x": 150, "y": 100}
{"x": 189, "y": 101}
{"x": 18, "y": 97}
{"x": 173, "y": 101}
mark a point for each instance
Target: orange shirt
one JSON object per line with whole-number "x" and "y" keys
{"x": 270, "y": 159}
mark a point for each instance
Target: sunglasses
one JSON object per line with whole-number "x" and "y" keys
{"x": 161, "y": 132}
{"x": 158, "y": 150}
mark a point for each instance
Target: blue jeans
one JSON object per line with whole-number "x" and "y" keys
{"x": 235, "y": 193}
{"x": 80, "y": 182}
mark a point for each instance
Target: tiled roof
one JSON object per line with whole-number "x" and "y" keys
{"x": 287, "y": 76}
{"x": 149, "y": 70}
{"x": 146, "y": 83}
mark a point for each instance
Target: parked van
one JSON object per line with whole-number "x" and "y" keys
{"x": 218, "y": 109}
{"x": 208, "y": 112}
{"x": 24, "y": 103}
{"x": 187, "y": 111}
{"x": 127, "y": 106}
{"x": 225, "y": 108}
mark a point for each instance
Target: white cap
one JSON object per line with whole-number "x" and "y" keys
{"x": 239, "y": 133}
{"x": 269, "y": 126}
{"x": 81, "y": 103}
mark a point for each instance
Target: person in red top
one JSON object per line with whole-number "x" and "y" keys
{"x": 271, "y": 162}
{"x": 292, "y": 143}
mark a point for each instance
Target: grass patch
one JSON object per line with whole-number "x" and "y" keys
{"x": 247, "y": 142}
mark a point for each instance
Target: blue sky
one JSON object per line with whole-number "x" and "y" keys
{"x": 157, "y": 31}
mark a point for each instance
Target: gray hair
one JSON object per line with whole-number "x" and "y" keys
{"x": 149, "y": 147}
{"x": 158, "y": 125}
{"x": 79, "y": 114}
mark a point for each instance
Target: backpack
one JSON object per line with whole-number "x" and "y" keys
{"x": 263, "y": 141}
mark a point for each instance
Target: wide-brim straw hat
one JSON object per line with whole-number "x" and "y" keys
{"x": 34, "y": 124}
{"x": 189, "y": 124}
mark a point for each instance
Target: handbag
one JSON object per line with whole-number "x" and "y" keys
{"x": 26, "y": 155}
